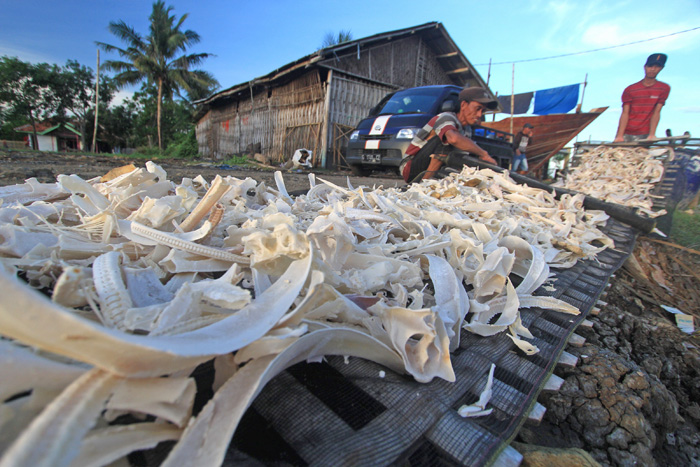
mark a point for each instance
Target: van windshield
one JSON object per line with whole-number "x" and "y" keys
{"x": 412, "y": 101}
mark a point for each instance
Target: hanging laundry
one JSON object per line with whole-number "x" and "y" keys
{"x": 521, "y": 103}
{"x": 556, "y": 100}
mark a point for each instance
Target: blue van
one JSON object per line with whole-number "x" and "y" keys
{"x": 380, "y": 140}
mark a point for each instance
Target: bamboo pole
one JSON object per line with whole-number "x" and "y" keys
{"x": 488, "y": 77}
{"x": 97, "y": 102}
{"x": 326, "y": 123}
{"x": 579, "y": 108}
{"x": 493, "y": 115}
{"x": 512, "y": 98}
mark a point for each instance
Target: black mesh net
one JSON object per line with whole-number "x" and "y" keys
{"x": 343, "y": 412}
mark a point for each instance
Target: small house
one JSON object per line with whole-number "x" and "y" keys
{"x": 51, "y": 136}
{"x": 315, "y": 101}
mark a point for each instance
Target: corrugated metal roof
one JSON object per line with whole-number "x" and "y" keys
{"x": 44, "y": 128}
{"x": 433, "y": 34}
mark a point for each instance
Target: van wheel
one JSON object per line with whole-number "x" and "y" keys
{"x": 359, "y": 171}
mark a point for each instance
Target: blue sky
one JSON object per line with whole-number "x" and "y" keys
{"x": 252, "y": 38}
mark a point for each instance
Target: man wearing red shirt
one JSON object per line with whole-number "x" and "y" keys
{"x": 642, "y": 102}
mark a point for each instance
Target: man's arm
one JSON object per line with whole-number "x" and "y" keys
{"x": 624, "y": 118}
{"x": 459, "y": 141}
{"x": 654, "y": 122}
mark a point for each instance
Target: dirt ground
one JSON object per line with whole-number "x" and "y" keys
{"x": 16, "y": 167}
{"x": 633, "y": 398}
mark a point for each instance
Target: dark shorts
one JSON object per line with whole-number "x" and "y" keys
{"x": 419, "y": 163}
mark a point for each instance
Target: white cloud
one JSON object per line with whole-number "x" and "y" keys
{"x": 605, "y": 34}
{"x": 691, "y": 110}
{"x": 574, "y": 26}
{"x": 120, "y": 96}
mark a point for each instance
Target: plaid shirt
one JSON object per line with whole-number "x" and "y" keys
{"x": 438, "y": 125}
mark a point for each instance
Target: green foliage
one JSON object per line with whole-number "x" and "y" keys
{"x": 331, "y": 39}
{"x": 60, "y": 94}
{"x": 29, "y": 90}
{"x": 237, "y": 160}
{"x": 686, "y": 228}
{"x": 32, "y": 93}
{"x": 148, "y": 152}
{"x": 76, "y": 87}
{"x": 8, "y": 122}
{"x": 158, "y": 59}
{"x": 184, "y": 146}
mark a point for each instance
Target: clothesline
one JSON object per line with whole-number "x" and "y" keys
{"x": 547, "y": 101}
{"x": 587, "y": 51}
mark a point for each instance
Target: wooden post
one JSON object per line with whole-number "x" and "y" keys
{"x": 326, "y": 122}
{"x": 415, "y": 77}
{"x": 493, "y": 115}
{"x": 512, "y": 98}
{"x": 488, "y": 77}
{"x": 97, "y": 103}
{"x": 567, "y": 158}
{"x": 579, "y": 108}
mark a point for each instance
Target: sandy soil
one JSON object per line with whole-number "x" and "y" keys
{"x": 634, "y": 397}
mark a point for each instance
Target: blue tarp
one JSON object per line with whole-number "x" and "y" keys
{"x": 556, "y": 100}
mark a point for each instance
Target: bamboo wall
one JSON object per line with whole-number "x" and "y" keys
{"x": 350, "y": 102}
{"x": 291, "y": 116}
{"x": 265, "y": 119}
{"x": 351, "y": 99}
{"x": 405, "y": 62}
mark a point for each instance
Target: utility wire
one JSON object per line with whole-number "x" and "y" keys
{"x": 588, "y": 51}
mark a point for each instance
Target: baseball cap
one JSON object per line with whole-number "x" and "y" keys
{"x": 477, "y": 94}
{"x": 656, "y": 59}
{"x": 527, "y": 125}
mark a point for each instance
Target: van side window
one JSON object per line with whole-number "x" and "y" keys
{"x": 450, "y": 103}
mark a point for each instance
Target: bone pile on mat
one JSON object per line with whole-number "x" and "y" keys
{"x": 116, "y": 288}
{"x": 619, "y": 175}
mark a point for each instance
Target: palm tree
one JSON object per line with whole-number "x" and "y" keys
{"x": 159, "y": 57}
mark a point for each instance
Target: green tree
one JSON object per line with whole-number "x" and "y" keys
{"x": 118, "y": 125}
{"x": 159, "y": 58}
{"x": 28, "y": 90}
{"x": 77, "y": 92}
{"x": 331, "y": 39}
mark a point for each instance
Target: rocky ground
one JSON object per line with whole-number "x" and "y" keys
{"x": 633, "y": 398}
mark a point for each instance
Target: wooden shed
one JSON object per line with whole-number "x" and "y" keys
{"x": 315, "y": 101}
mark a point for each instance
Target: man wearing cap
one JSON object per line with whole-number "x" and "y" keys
{"x": 642, "y": 102}
{"x": 520, "y": 143}
{"x": 445, "y": 133}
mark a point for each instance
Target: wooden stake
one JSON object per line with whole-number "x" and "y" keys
{"x": 583, "y": 93}
{"x": 97, "y": 102}
{"x": 512, "y": 98}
